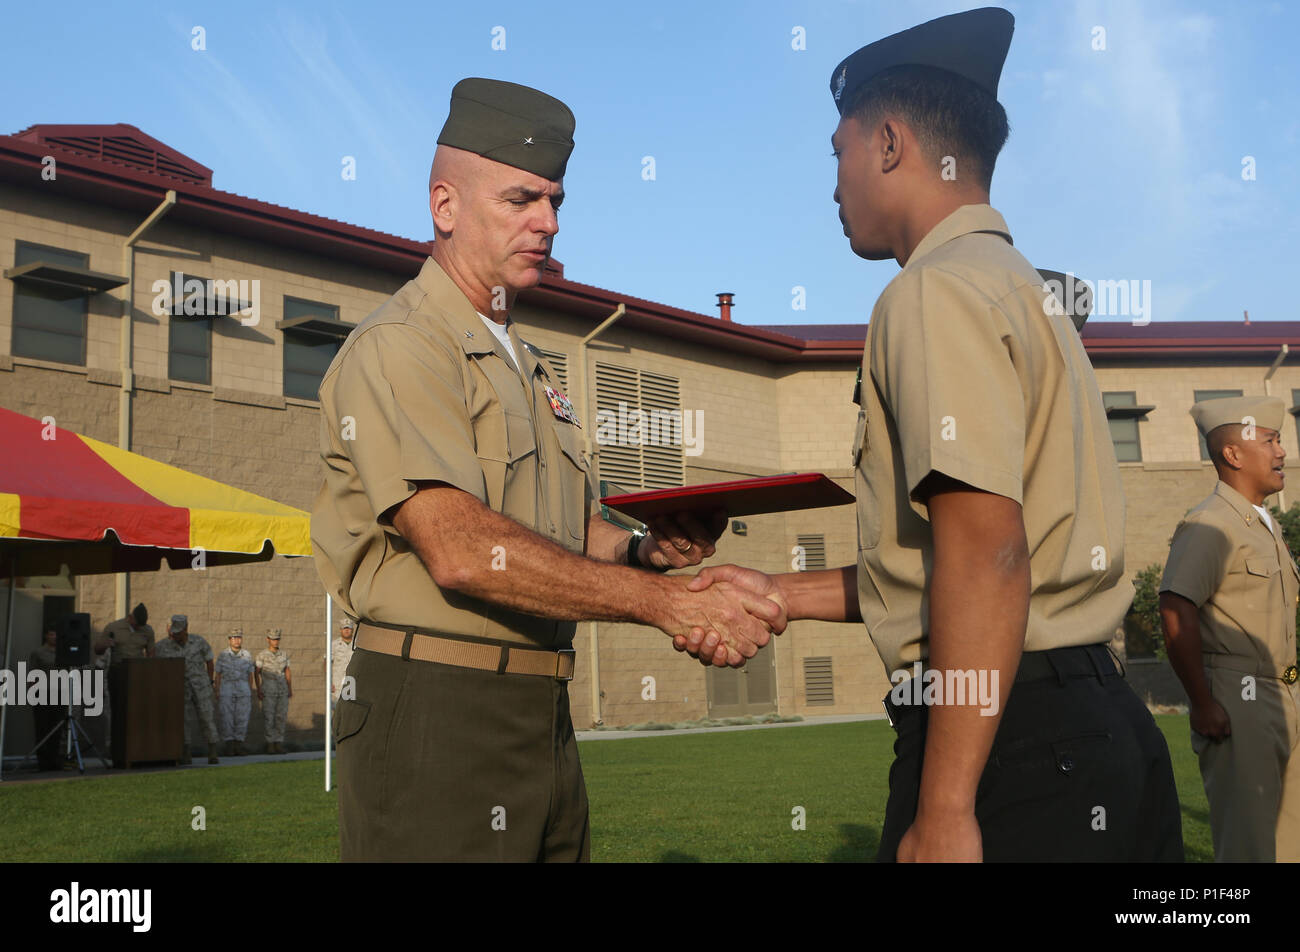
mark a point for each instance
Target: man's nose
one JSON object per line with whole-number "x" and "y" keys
{"x": 549, "y": 221}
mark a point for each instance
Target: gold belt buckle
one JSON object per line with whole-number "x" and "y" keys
{"x": 1290, "y": 675}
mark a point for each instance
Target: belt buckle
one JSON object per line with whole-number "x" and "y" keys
{"x": 1290, "y": 675}
{"x": 563, "y": 651}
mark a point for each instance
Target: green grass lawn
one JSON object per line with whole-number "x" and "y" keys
{"x": 715, "y": 797}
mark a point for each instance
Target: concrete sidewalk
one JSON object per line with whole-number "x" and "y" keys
{"x": 615, "y": 734}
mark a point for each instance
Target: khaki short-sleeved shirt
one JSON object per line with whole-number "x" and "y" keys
{"x": 422, "y": 391}
{"x": 966, "y": 373}
{"x": 129, "y": 642}
{"x": 1239, "y": 573}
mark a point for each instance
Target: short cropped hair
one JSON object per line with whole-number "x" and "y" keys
{"x": 950, "y": 114}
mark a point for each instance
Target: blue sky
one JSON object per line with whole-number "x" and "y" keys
{"x": 1123, "y": 163}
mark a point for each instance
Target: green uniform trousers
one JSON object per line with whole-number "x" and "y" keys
{"x": 440, "y": 763}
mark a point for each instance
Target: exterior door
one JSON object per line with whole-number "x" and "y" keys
{"x": 736, "y": 692}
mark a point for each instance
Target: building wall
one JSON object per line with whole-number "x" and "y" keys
{"x": 759, "y": 418}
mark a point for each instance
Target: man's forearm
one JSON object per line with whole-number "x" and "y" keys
{"x": 828, "y": 595}
{"x": 979, "y": 608}
{"x": 1182, "y": 633}
{"x": 469, "y": 548}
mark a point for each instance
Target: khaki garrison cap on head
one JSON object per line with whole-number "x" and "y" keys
{"x": 179, "y": 622}
{"x": 973, "y": 45}
{"x": 512, "y": 124}
{"x": 273, "y": 632}
{"x": 1265, "y": 412}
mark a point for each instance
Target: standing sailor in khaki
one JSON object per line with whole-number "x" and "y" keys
{"x": 1228, "y": 601}
{"x": 455, "y": 513}
{"x": 989, "y": 504}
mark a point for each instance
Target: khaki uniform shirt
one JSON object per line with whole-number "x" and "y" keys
{"x": 129, "y": 643}
{"x": 432, "y": 396}
{"x": 196, "y": 652}
{"x": 1226, "y": 561}
{"x": 966, "y": 373}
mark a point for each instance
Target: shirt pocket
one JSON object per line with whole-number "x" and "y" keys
{"x": 572, "y": 490}
{"x": 502, "y": 441}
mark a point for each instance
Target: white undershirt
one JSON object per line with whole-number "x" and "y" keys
{"x": 503, "y": 335}
{"x": 1263, "y": 514}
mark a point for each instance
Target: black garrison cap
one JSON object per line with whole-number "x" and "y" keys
{"x": 512, "y": 124}
{"x": 973, "y": 45}
{"x": 1073, "y": 296}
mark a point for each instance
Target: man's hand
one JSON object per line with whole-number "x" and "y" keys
{"x": 681, "y": 540}
{"x": 701, "y": 642}
{"x": 947, "y": 838}
{"x": 1211, "y": 720}
{"x": 732, "y": 622}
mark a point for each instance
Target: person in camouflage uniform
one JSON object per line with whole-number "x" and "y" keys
{"x": 274, "y": 688}
{"x": 197, "y": 655}
{"x": 235, "y": 692}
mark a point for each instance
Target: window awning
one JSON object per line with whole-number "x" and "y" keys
{"x": 1127, "y": 413}
{"x": 315, "y": 324}
{"x": 64, "y": 280}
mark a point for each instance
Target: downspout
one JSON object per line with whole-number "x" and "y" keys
{"x": 122, "y": 591}
{"x": 1268, "y": 392}
{"x": 592, "y": 454}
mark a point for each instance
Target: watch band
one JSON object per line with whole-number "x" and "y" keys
{"x": 634, "y": 553}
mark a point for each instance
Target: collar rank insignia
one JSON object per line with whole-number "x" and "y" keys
{"x": 561, "y": 406}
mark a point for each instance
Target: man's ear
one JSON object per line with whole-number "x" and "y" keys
{"x": 443, "y": 203}
{"x": 1231, "y": 455}
{"x": 889, "y": 139}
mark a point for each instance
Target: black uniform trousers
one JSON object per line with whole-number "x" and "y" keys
{"x": 1079, "y": 771}
{"x": 438, "y": 763}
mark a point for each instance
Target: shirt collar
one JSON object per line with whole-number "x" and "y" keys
{"x": 1240, "y": 504}
{"x": 967, "y": 220}
{"x": 455, "y": 308}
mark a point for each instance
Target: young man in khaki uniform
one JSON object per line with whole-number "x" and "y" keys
{"x": 455, "y": 514}
{"x": 989, "y": 504}
{"x": 1228, "y": 601}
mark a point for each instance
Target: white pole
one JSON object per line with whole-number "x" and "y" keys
{"x": 329, "y": 683}
{"x": 9, "y": 643}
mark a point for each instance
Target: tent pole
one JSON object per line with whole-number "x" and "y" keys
{"x": 329, "y": 683}
{"x": 9, "y": 642}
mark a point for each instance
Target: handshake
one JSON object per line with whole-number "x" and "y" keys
{"x": 725, "y": 614}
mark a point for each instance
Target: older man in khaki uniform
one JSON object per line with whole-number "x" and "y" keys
{"x": 456, "y": 510}
{"x": 124, "y": 640}
{"x": 989, "y": 504}
{"x": 1228, "y": 600}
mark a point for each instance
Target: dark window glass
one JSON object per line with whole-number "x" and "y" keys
{"x": 307, "y": 355}
{"x": 46, "y": 326}
{"x": 1124, "y": 432}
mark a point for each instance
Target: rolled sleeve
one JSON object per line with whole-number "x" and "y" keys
{"x": 945, "y": 369}
{"x": 409, "y": 422}
{"x": 1198, "y": 561}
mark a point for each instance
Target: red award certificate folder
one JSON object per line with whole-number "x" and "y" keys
{"x": 738, "y": 497}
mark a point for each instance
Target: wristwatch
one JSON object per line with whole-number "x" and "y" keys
{"x": 633, "y": 553}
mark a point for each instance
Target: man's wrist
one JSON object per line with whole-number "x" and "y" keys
{"x": 633, "y": 559}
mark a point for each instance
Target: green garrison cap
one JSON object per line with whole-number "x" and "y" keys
{"x": 511, "y": 124}
{"x": 1074, "y": 296}
{"x": 1266, "y": 412}
{"x": 973, "y": 45}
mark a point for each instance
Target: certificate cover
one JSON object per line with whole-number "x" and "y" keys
{"x": 738, "y": 497}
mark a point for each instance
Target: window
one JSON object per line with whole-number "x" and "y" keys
{"x": 313, "y": 334}
{"x": 640, "y": 428}
{"x": 189, "y": 339}
{"x": 48, "y": 323}
{"x": 1123, "y": 426}
{"x": 1198, "y": 396}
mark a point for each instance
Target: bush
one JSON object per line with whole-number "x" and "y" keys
{"x": 1143, "y": 636}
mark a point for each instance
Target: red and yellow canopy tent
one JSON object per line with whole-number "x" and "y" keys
{"x": 69, "y": 500}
